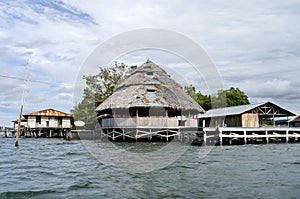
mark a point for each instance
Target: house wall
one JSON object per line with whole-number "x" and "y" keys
{"x": 31, "y": 121}
{"x": 211, "y": 122}
{"x": 250, "y": 120}
{"x": 44, "y": 120}
{"x": 245, "y": 120}
{"x": 191, "y": 122}
{"x": 53, "y": 122}
{"x": 66, "y": 122}
{"x": 233, "y": 121}
{"x": 295, "y": 124}
{"x": 48, "y": 122}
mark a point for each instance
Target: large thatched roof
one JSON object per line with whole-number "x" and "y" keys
{"x": 150, "y": 86}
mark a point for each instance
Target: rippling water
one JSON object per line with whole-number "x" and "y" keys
{"x": 56, "y": 168}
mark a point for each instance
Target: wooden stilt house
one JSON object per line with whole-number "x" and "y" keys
{"x": 48, "y": 123}
{"x": 252, "y": 115}
{"x": 149, "y": 103}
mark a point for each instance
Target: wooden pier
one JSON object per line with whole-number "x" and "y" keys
{"x": 242, "y": 135}
{"x": 206, "y": 136}
{"x": 6, "y": 133}
{"x": 44, "y": 132}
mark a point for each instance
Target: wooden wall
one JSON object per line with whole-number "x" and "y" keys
{"x": 233, "y": 121}
{"x": 250, "y": 120}
{"x": 49, "y": 122}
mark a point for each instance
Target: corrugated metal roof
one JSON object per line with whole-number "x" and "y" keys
{"x": 237, "y": 110}
{"x": 234, "y": 110}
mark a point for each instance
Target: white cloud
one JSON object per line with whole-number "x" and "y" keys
{"x": 254, "y": 44}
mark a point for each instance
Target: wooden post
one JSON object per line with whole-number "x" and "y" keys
{"x": 245, "y": 137}
{"x": 5, "y": 133}
{"x": 137, "y": 123}
{"x": 267, "y": 137}
{"x": 19, "y": 126}
{"x": 50, "y": 133}
{"x": 123, "y": 134}
{"x": 167, "y": 136}
{"x": 204, "y": 137}
{"x": 221, "y": 137}
{"x": 287, "y": 136}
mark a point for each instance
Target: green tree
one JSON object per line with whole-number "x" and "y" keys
{"x": 98, "y": 88}
{"x": 234, "y": 97}
{"x": 230, "y": 97}
{"x": 203, "y": 100}
{"x": 191, "y": 91}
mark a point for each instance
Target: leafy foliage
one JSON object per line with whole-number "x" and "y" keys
{"x": 235, "y": 97}
{"x": 232, "y": 97}
{"x": 98, "y": 88}
{"x": 203, "y": 100}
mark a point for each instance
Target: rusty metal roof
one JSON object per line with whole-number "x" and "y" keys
{"x": 22, "y": 120}
{"x": 48, "y": 112}
{"x": 296, "y": 119}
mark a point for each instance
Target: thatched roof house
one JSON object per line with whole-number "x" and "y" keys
{"x": 148, "y": 95}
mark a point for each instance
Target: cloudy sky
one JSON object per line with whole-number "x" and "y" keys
{"x": 255, "y": 45}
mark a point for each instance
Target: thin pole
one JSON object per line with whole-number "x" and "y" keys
{"x": 26, "y": 79}
{"x": 19, "y": 126}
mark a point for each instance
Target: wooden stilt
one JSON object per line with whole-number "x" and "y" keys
{"x": 204, "y": 137}
{"x": 167, "y": 135}
{"x": 5, "y": 133}
{"x": 123, "y": 134}
{"x": 221, "y": 137}
{"x": 137, "y": 123}
{"x": 19, "y": 127}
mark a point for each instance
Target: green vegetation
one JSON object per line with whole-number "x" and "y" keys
{"x": 232, "y": 97}
{"x": 100, "y": 87}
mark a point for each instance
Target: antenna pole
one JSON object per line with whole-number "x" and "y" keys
{"x": 22, "y": 104}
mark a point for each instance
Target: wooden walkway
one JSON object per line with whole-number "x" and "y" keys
{"x": 7, "y": 133}
{"x": 239, "y": 135}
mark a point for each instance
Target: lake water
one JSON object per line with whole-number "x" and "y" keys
{"x": 56, "y": 168}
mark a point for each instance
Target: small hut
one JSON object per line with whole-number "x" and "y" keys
{"x": 149, "y": 103}
{"x": 23, "y": 123}
{"x": 48, "y": 123}
{"x": 251, "y": 115}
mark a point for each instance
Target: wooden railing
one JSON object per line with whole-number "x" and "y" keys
{"x": 152, "y": 122}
